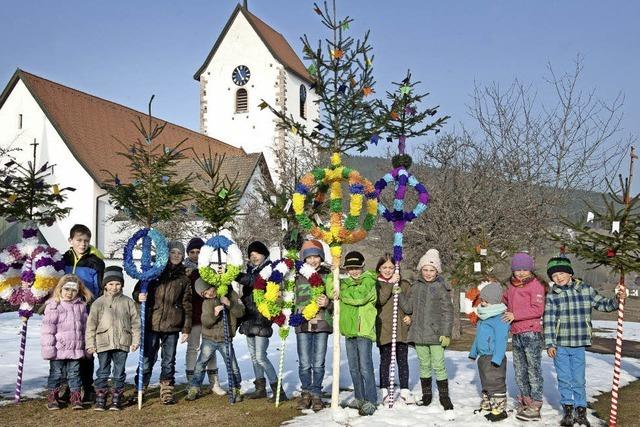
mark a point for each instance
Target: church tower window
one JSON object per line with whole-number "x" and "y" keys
{"x": 303, "y": 101}
{"x": 241, "y": 101}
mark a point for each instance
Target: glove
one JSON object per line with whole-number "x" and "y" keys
{"x": 445, "y": 341}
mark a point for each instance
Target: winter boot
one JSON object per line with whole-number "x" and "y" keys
{"x": 531, "y": 412}
{"x": 166, "y": 393}
{"x": 407, "y": 397}
{"x": 192, "y": 394}
{"x": 76, "y": 400}
{"x": 101, "y": 399}
{"x": 581, "y": 417}
{"x": 304, "y": 401}
{"x": 355, "y": 404}
{"x": 385, "y": 396}
{"x": 88, "y": 396}
{"x": 261, "y": 389}
{"x": 485, "y": 403}
{"x": 523, "y": 403}
{"x": 316, "y": 403}
{"x": 367, "y": 409}
{"x": 443, "y": 393}
{"x": 498, "y": 407}
{"x": 274, "y": 389}
{"x": 427, "y": 393}
{"x": 237, "y": 396}
{"x": 52, "y": 400}
{"x": 567, "y": 418}
{"x": 117, "y": 399}
{"x": 214, "y": 382}
{"x": 189, "y": 375}
{"x": 64, "y": 394}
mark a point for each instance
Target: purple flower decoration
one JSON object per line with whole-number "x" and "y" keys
{"x": 296, "y": 320}
{"x": 28, "y": 276}
{"x": 29, "y": 232}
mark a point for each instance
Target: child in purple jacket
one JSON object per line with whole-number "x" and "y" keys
{"x": 524, "y": 298}
{"x": 62, "y": 337}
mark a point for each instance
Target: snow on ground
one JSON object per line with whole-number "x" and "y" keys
{"x": 464, "y": 382}
{"x": 631, "y": 330}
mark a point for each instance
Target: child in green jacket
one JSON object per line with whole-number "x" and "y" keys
{"x": 358, "y": 325}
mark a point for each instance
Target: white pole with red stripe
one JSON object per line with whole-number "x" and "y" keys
{"x": 617, "y": 361}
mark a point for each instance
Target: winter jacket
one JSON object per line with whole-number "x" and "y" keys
{"x": 212, "y": 325}
{"x": 492, "y": 335}
{"x": 431, "y": 310}
{"x": 357, "y": 305}
{"x": 567, "y": 314}
{"x": 168, "y": 301}
{"x": 63, "y": 329}
{"x": 89, "y": 267}
{"x": 384, "y": 320}
{"x": 113, "y": 324}
{"x": 323, "y": 321}
{"x": 527, "y": 305}
{"x": 253, "y": 323}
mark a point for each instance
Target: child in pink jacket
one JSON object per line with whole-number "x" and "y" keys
{"x": 62, "y": 337}
{"x": 524, "y": 298}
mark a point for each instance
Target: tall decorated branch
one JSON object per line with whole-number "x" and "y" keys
{"x": 220, "y": 259}
{"x": 29, "y": 271}
{"x": 150, "y": 193}
{"x": 609, "y": 238}
{"x": 342, "y": 69}
{"x": 402, "y": 118}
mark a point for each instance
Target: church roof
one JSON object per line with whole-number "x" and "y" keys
{"x": 90, "y": 125}
{"x": 275, "y": 42}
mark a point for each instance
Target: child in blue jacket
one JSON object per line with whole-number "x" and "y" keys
{"x": 490, "y": 344}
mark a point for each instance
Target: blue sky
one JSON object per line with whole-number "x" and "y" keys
{"x": 125, "y": 51}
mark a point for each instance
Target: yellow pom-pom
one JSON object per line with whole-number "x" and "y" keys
{"x": 336, "y": 251}
{"x": 311, "y": 310}
{"x": 298, "y": 203}
{"x": 263, "y": 308}
{"x": 356, "y": 204}
{"x": 336, "y": 190}
{"x": 335, "y": 159}
{"x": 372, "y": 207}
{"x": 272, "y": 292}
{"x": 46, "y": 284}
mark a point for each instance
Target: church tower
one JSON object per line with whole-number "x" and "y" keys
{"x": 249, "y": 62}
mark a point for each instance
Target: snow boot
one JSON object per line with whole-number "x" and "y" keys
{"x": 88, "y": 396}
{"x": 485, "y": 403}
{"x": 52, "y": 400}
{"x": 166, "y": 393}
{"x": 274, "y": 389}
{"x": 407, "y": 397}
{"x": 581, "y": 417}
{"x": 64, "y": 394}
{"x": 189, "y": 375}
{"x": 498, "y": 408}
{"x": 101, "y": 399}
{"x": 386, "y": 398}
{"x": 427, "y": 393}
{"x": 192, "y": 394}
{"x": 214, "y": 382}
{"x": 76, "y": 400}
{"x": 237, "y": 396}
{"x": 367, "y": 409}
{"x": 443, "y": 394}
{"x": 355, "y": 404}
{"x": 261, "y": 389}
{"x": 531, "y": 412}
{"x": 317, "y": 404}
{"x": 304, "y": 401}
{"x": 117, "y": 399}
{"x": 567, "y": 418}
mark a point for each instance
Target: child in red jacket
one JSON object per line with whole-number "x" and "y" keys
{"x": 525, "y": 297}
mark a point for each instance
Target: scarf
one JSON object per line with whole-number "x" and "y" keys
{"x": 518, "y": 283}
{"x": 491, "y": 310}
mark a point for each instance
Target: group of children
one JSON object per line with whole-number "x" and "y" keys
{"x": 179, "y": 302}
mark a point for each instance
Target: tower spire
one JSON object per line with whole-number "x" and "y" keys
{"x": 246, "y": 5}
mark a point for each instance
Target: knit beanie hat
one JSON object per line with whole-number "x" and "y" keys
{"x": 354, "y": 259}
{"x": 176, "y": 244}
{"x": 559, "y": 265}
{"x": 195, "y": 243}
{"x": 258, "y": 247}
{"x": 522, "y": 261}
{"x": 311, "y": 247}
{"x": 113, "y": 273}
{"x": 492, "y": 293}
{"x": 431, "y": 258}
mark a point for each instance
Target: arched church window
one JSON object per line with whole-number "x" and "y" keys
{"x": 241, "y": 101}
{"x": 303, "y": 101}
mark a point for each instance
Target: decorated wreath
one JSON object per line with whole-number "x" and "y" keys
{"x": 150, "y": 270}
{"x": 274, "y": 293}
{"x": 310, "y": 310}
{"x": 220, "y": 250}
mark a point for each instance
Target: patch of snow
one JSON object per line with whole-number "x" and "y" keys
{"x": 630, "y": 331}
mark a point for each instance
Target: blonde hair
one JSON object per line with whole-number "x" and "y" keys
{"x": 82, "y": 290}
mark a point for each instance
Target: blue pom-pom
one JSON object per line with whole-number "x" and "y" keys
{"x": 296, "y": 320}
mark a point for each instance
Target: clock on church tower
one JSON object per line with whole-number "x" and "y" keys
{"x": 241, "y": 75}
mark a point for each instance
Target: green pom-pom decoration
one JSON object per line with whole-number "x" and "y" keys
{"x": 345, "y": 172}
{"x": 318, "y": 174}
{"x": 369, "y": 222}
{"x": 304, "y": 222}
{"x": 336, "y": 205}
{"x": 351, "y": 222}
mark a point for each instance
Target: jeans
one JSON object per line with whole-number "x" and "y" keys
{"x": 193, "y": 345}
{"x": 261, "y": 364}
{"x": 527, "y": 355}
{"x": 59, "y": 369}
{"x": 119, "y": 359}
{"x": 153, "y": 341}
{"x": 431, "y": 357}
{"x": 208, "y": 350}
{"x": 361, "y": 368}
{"x": 312, "y": 349}
{"x": 401, "y": 360}
{"x": 569, "y": 362}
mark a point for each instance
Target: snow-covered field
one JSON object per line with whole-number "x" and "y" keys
{"x": 631, "y": 331}
{"x": 464, "y": 382}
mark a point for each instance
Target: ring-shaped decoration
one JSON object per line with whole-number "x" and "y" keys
{"x": 274, "y": 293}
{"x": 149, "y": 270}
{"x": 37, "y": 265}
{"x": 220, "y": 250}
{"x": 398, "y": 216}
{"x": 316, "y": 283}
{"x": 341, "y": 229}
